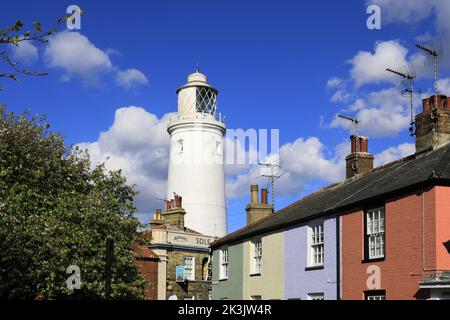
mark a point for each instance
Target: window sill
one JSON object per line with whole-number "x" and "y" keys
{"x": 255, "y": 274}
{"x": 314, "y": 268}
{"x": 223, "y": 279}
{"x": 367, "y": 260}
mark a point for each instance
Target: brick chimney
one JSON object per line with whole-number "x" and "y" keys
{"x": 174, "y": 214}
{"x": 157, "y": 219}
{"x": 257, "y": 210}
{"x": 359, "y": 161}
{"x": 433, "y": 124}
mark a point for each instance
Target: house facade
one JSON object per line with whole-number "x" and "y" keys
{"x": 250, "y": 267}
{"x": 184, "y": 256}
{"x": 311, "y": 260}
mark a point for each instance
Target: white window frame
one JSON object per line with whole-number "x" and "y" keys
{"x": 316, "y": 296}
{"x": 256, "y": 256}
{"x": 316, "y": 244}
{"x": 375, "y": 296}
{"x": 189, "y": 268}
{"x": 223, "y": 263}
{"x": 375, "y": 232}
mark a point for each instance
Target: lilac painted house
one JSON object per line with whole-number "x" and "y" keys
{"x": 311, "y": 251}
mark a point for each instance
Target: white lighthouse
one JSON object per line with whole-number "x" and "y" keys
{"x": 196, "y": 171}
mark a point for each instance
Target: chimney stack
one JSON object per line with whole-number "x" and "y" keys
{"x": 256, "y": 210}
{"x": 175, "y": 213}
{"x": 157, "y": 218}
{"x": 433, "y": 124}
{"x": 359, "y": 161}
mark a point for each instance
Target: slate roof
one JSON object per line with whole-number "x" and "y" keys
{"x": 409, "y": 172}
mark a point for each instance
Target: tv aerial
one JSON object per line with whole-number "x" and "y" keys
{"x": 434, "y": 51}
{"x": 408, "y": 73}
{"x": 355, "y": 123}
{"x": 272, "y": 177}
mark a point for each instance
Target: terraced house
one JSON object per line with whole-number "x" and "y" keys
{"x": 247, "y": 265}
{"x": 382, "y": 233}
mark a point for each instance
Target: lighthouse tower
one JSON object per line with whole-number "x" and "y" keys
{"x": 196, "y": 171}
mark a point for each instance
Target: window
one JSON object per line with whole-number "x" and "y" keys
{"x": 375, "y": 233}
{"x": 206, "y": 100}
{"x": 223, "y": 272}
{"x": 375, "y": 295}
{"x": 218, "y": 148}
{"x": 189, "y": 268}
{"x": 316, "y": 245}
{"x": 180, "y": 146}
{"x": 256, "y": 256}
{"x": 316, "y": 296}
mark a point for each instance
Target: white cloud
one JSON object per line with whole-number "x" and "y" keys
{"x": 79, "y": 57}
{"x": 394, "y": 153}
{"x": 444, "y": 86}
{"x": 334, "y": 82}
{"x": 26, "y": 52}
{"x": 409, "y": 12}
{"x": 341, "y": 96}
{"x": 138, "y": 143}
{"x": 370, "y": 67}
{"x": 130, "y": 78}
{"x": 305, "y": 161}
{"x": 382, "y": 114}
{"x": 404, "y": 11}
{"x": 76, "y": 55}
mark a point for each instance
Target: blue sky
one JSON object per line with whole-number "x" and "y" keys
{"x": 289, "y": 65}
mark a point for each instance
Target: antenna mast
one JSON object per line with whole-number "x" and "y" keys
{"x": 272, "y": 177}
{"x": 435, "y": 53}
{"x": 409, "y": 76}
{"x": 355, "y": 122}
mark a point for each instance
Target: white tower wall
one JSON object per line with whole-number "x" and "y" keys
{"x": 196, "y": 170}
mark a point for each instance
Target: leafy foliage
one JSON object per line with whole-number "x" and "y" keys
{"x": 57, "y": 210}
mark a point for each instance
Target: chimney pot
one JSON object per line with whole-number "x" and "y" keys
{"x": 264, "y": 196}
{"x": 254, "y": 193}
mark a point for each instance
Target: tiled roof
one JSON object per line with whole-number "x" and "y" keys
{"x": 142, "y": 251}
{"x": 433, "y": 167}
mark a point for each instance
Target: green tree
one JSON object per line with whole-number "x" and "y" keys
{"x": 56, "y": 210}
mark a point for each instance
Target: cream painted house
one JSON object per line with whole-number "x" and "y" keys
{"x": 263, "y": 262}
{"x": 250, "y": 267}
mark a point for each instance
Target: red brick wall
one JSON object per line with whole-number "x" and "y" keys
{"x": 442, "y": 227}
{"x": 149, "y": 269}
{"x": 402, "y": 269}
